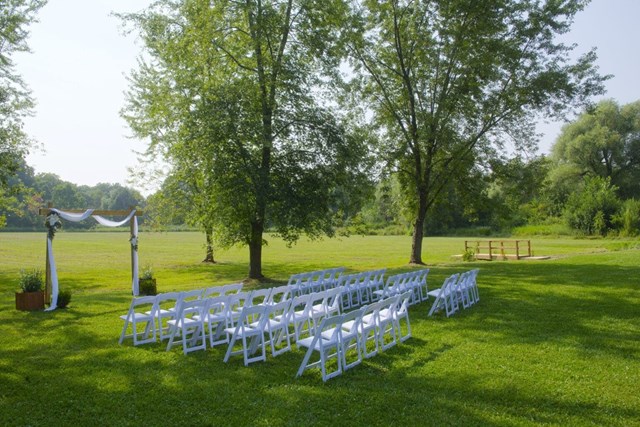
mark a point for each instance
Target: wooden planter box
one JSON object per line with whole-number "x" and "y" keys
{"x": 30, "y": 301}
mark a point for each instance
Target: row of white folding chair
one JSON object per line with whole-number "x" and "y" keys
{"x": 142, "y": 324}
{"x": 415, "y": 281}
{"x": 161, "y": 312}
{"x": 196, "y": 317}
{"x": 314, "y": 281}
{"x": 149, "y": 311}
{"x": 159, "y": 319}
{"x": 467, "y": 288}
{"x": 458, "y": 289}
{"x": 360, "y": 288}
{"x": 336, "y": 335}
{"x": 153, "y": 312}
{"x": 445, "y": 297}
{"x": 227, "y": 319}
{"x": 307, "y": 310}
{"x": 225, "y": 313}
{"x": 253, "y": 324}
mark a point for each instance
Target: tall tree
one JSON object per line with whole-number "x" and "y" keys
{"x": 15, "y": 98}
{"x": 233, "y": 88}
{"x": 603, "y": 141}
{"x": 447, "y": 80}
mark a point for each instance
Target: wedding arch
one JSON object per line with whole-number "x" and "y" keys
{"x": 53, "y": 223}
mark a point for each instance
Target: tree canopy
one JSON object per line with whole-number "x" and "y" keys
{"x": 450, "y": 81}
{"x": 604, "y": 141}
{"x": 16, "y": 102}
{"x": 233, "y": 89}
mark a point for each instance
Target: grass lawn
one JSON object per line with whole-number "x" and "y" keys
{"x": 554, "y": 342}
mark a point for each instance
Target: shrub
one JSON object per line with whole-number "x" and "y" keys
{"x": 147, "y": 287}
{"x": 628, "y": 218}
{"x": 31, "y": 281}
{"x": 591, "y": 210}
{"x": 64, "y": 297}
{"x": 469, "y": 255}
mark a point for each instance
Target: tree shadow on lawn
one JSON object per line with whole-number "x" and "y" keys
{"x": 80, "y": 374}
{"x": 530, "y": 303}
{"x": 69, "y": 368}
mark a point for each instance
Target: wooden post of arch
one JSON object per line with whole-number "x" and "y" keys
{"x": 46, "y": 211}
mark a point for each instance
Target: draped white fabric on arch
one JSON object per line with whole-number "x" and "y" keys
{"x": 74, "y": 217}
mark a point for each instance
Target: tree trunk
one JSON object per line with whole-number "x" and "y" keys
{"x": 255, "y": 251}
{"x": 209, "y": 236}
{"x": 418, "y": 231}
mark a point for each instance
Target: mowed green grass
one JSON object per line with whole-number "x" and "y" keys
{"x": 554, "y": 342}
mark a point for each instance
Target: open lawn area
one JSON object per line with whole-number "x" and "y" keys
{"x": 553, "y": 342}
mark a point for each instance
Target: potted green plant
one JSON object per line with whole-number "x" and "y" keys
{"x": 147, "y": 283}
{"x": 64, "y": 297}
{"x": 31, "y": 295}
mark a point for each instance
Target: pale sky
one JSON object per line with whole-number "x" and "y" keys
{"x": 80, "y": 59}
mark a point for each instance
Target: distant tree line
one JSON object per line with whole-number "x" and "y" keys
{"x": 37, "y": 190}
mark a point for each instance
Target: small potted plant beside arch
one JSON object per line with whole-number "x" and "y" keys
{"x": 31, "y": 295}
{"x": 147, "y": 283}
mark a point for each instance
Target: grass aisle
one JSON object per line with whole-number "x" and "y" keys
{"x": 553, "y": 342}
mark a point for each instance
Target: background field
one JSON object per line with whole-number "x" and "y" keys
{"x": 553, "y": 342}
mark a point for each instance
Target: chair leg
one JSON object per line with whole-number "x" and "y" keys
{"x": 124, "y": 331}
{"x": 305, "y": 361}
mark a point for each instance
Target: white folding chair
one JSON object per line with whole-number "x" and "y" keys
{"x": 215, "y": 316}
{"x": 351, "y": 337}
{"x": 318, "y": 307}
{"x": 346, "y": 283}
{"x": 414, "y": 283}
{"x": 235, "y": 304}
{"x": 163, "y": 309}
{"x": 314, "y": 282}
{"x": 298, "y": 315}
{"x": 232, "y": 288}
{"x": 424, "y": 288}
{"x": 402, "y": 312}
{"x": 249, "y": 330}
{"x": 369, "y": 328}
{"x": 332, "y": 300}
{"x": 376, "y": 284}
{"x": 474, "y": 285}
{"x": 362, "y": 287}
{"x": 276, "y": 326}
{"x": 213, "y": 291}
{"x": 330, "y": 277}
{"x": 260, "y": 296}
{"x": 189, "y": 327}
{"x": 137, "y": 317}
{"x": 297, "y": 283}
{"x": 279, "y": 294}
{"x": 463, "y": 289}
{"x": 390, "y": 287}
{"x": 386, "y": 322}
{"x": 327, "y": 345}
{"x": 445, "y": 297}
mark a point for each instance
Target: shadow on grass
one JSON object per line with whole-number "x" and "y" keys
{"x": 66, "y": 367}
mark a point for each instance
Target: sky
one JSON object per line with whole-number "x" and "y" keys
{"x": 80, "y": 59}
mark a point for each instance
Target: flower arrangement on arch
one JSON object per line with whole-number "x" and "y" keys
{"x": 53, "y": 224}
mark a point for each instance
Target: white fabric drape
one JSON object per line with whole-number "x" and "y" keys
{"x": 134, "y": 257}
{"x": 54, "y": 276}
{"x": 73, "y": 217}
{"x": 108, "y": 223}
